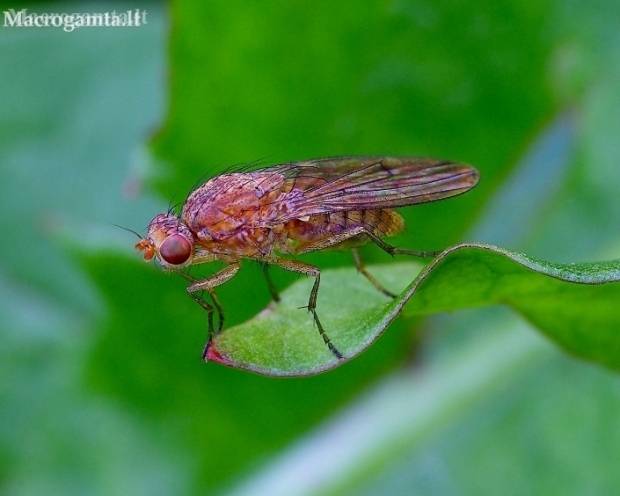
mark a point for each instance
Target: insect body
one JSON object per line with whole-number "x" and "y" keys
{"x": 293, "y": 209}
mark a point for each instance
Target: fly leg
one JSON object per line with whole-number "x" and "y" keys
{"x": 341, "y": 237}
{"x": 206, "y": 306}
{"x": 392, "y": 251}
{"x": 397, "y": 251}
{"x": 208, "y": 285}
{"x": 362, "y": 269}
{"x": 272, "y": 287}
{"x": 310, "y": 270}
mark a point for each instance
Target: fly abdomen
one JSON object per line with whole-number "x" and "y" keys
{"x": 381, "y": 223}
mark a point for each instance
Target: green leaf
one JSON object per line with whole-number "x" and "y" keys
{"x": 570, "y": 303}
{"x": 284, "y": 341}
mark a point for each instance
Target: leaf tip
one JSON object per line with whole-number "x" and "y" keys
{"x": 213, "y": 355}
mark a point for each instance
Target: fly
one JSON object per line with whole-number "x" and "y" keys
{"x": 296, "y": 208}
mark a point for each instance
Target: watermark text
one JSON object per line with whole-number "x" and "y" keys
{"x": 70, "y": 22}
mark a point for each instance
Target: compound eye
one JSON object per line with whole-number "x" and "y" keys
{"x": 175, "y": 249}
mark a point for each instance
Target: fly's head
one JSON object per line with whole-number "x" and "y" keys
{"x": 169, "y": 241}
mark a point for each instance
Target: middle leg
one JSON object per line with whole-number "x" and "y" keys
{"x": 310, "y": 270}
{"x": 344, "y": 237}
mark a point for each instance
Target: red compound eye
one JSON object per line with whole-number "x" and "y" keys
{"x": 175, "y": 249}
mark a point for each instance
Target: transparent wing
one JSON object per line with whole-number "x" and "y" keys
{"x": 370, "y": 183}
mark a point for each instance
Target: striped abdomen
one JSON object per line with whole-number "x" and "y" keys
{"x": 381, "y": 223}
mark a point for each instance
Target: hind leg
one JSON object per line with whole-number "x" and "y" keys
{"x": 362, "y": 269}
{"x": 347, "y": 235}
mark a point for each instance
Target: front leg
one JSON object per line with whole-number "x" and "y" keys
{"x": 198, "y": 299}
{"x": 208, "y": 285}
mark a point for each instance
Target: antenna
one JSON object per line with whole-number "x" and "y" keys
{"x": 129, "y": 230}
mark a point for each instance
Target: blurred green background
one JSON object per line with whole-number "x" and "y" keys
{"x": 101, "y": 386}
